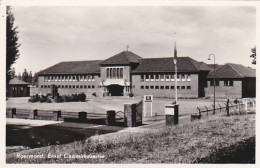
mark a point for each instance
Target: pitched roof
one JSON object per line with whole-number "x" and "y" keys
{"x": 184, "y": 64}
{"x": 73, "y": 67}
{"x": 123, "y": 58}
{"x": 211, "y": 66}
{"x": 16, "y": 81}
{"x": 232, "y": 71}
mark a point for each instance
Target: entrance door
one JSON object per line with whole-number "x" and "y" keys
{"x": 116, "y": 90}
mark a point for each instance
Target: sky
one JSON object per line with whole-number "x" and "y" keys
{"x": 49, "y": 35}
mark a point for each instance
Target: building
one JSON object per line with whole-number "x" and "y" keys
{"x": 18, "y": 88}
{"x": 232, "y": 80}
{"x": 127, "y": 73}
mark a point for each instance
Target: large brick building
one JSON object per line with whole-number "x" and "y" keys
{"x": 127, "y": 73}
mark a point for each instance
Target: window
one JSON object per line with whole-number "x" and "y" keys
{"x": 157, "y": 77}
{"x": 81, "y": 86}
{"x": 182, "y": 87}
{"x": 188, "y": 87}
{"x": 217, "y": 82}
{"x": 231, "y": 83}
{"x": 41, "y": 86}
{"x": 183, "y": 77}
{"x": 167, "y": 77}
{"x": 188, "y": 77}
{"x": 142, "y": 78}
{"x": 146, "y": 87}
{"x": 73, "y": 86}
{"x": 152, "y": 77}
{"x": 146, "y": 77}
{"x": 212, "y": 82}
{"x": 162, "y": 87}
{"x": 162, "y": 77}
{"x": 108, "y": 73}
{"x": 167, "y": 87}
{"x": 142, "y": 87}
{"x": 88, "y": 86}
{"x": 93, "y": 86}
{"x": 156, "y": 87}
{"x": 58, "y": 86}
{"x": 121, "y": 73}
{"x": 62, "y": 86}
{"x": 85, "y": 86}
{"x": 178, "y": 87}
{"x": 151, "y": 87}
{"x": 225, "y": 82}
{"x": 172, "y": 87}
{"x": 49, "y": 86}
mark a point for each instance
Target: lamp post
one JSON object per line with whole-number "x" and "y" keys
{"x": 214, "y": 66}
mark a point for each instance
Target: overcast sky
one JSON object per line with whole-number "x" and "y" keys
{"x": 49, "y": 35}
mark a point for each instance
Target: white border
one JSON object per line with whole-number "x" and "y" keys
{"x": 5, "y": 3}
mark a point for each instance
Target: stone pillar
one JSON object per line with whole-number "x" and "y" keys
{"x": 33, "y": 114}
{"x": 111, "y": 117}
{"x": 12, "y": 112}
{"x": 82, "y": 116}
{"x": 56, "y": 115}
{"x": 172, "y": 114}
{"x": 130, "y": 114}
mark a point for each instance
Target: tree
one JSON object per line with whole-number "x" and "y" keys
{"x": 12, "y": 44}
{"x": 25, "y": 76}
{"x": 35, "y": 79}
{"x": 253, "y": 55}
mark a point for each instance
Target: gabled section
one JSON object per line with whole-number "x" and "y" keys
{"x": 73, "y": 67}
{"x": 123, "y": 58}
{"x": 185, "y": 64}
{"x": 232, "y": 71}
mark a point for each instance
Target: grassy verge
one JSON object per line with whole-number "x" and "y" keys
{"x": 188, "y": 142}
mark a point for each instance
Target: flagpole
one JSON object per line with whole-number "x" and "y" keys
{"x": 176, "y": 81}
{"x": 175, "y": 62}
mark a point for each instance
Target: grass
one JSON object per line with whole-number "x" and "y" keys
{"x": 187, "y": 142}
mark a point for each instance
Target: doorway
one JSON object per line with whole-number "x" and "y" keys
{"x": 115, "y": 90}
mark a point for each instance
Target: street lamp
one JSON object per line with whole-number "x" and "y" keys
{"x": 214, "y": 66}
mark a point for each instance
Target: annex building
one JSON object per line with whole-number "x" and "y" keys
{"x": 127, "y": 73}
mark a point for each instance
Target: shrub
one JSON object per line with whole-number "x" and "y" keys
{"x": 58, "y": 99}
{"x": 131, "y": 95}
{"x": 43, "y": 99}
{"x": 74, "y": 97}
{"x": 82, "y": 97}
{"x": 48, "y": 100}
{"x": 34, "y": 98}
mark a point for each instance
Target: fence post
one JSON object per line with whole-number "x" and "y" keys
{"x": 56, "y": 115}
{"x": 111, "y": 117}
{"x": 199, "y": 110}
{"x": 82, "y": 116}
{"x": 219, "y": 108}
{"x": 13, "y": 112}
{"x": 130, "y": 114}
{"x": 245, "y": 105}
{"x": 228, "y": 108}
{"x": 207, "y": 111}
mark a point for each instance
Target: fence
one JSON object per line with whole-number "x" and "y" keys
{"x": 119, "y": 118}
{"x": 228, "y": 108}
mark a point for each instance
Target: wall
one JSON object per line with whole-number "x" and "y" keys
{"x": 192, "y": 93}
{"x": 87, "y": 91}
{"x": 222, "y": 91}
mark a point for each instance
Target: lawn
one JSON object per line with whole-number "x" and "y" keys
{"x": 188, "y": 142}
{"x": 101, "y": 105}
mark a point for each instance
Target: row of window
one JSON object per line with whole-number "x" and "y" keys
{"x": 226, "y": 82}
{"x": 74, "y": 78}
{"x": 166, "y": 87}
{"x": 115, "y": 73}
{"x": 165, "y": 77}
{"x": 71, "y": 86}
